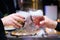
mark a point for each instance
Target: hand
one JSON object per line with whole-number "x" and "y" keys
{"x": 48, "y": 23}
{"x": 13, "y": 20}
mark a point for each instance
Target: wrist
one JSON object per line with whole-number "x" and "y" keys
{"x": 58, "y": 26}
{"x": 2, "y": 21}
{"x": 55, "y": 24}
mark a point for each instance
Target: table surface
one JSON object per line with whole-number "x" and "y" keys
{"x": 43, "y": 37}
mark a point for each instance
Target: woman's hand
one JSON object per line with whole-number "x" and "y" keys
{"x": 43, "y": 21}
{"x": 48, "y": 23}
{"x": 13, "y": 20}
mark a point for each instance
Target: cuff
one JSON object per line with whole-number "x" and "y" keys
{"x": 58, "y": 26}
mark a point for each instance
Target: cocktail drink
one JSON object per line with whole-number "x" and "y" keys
{"x": 37, "y": 19}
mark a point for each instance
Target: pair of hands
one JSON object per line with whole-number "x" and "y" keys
{"x": 13, "y": 20}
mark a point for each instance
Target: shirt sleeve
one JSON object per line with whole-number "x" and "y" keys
{"x": 58, "y": 27}
{"x": 2, "y": 32}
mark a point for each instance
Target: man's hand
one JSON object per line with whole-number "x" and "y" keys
{"x": 13, "y": 20}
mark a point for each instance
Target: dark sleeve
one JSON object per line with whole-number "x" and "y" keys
{"x": 7, "y": 6}
{"x": 2, "y": 32}
{"x": 3, "y": 7}
{"x": 10, "y": 5}
{"x": 58, "y": 27}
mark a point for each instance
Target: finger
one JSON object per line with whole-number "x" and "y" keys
{"x": 18, "y": 19}
{"x": 42, "y": 22}
{"x": 16, "y": 23}
{"x": 10, "y": 23}
{"x": 18, "y": 15}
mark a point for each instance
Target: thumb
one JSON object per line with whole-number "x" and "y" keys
{"x": 42, "y": 22}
